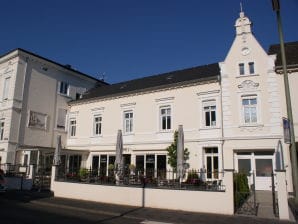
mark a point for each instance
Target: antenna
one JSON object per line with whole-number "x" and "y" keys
{"x": 102, "y": 78}
{"x": 241, "y": 9}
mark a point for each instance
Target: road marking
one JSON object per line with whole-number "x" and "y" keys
{"x": 152, "y": 222}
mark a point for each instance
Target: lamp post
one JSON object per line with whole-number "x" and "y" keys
{"x": 276, "y": 8}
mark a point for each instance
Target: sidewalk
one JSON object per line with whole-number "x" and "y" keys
{"x": 149, "y": 215}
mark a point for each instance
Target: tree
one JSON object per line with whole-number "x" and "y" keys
{"x": 172, "y": 152}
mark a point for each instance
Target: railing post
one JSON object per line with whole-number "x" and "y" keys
{"x": 53, "y": 176}
{"x": 282, "y": 195}
{"x": 229, "y": 184}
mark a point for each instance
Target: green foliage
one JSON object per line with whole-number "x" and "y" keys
{"x": 172, "y": 152}
{"x": 192, "y": 175}
{"x": 241, "y": 189}
{"x": 111, "y": 166}
{"x": 83, "y": 173}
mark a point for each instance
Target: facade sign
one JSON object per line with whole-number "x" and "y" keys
{"x": 286, "y": 127}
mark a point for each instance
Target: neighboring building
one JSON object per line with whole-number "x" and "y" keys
{"x": 34, "y": 100}
{"x": 231, "y": 113}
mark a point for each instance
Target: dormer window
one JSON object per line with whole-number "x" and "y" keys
{"x": 241, "y": 69}
{"x": 251, "y": 66}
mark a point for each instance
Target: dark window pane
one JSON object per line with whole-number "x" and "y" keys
{"x": 207, "y": 118}
{"x": 244, "y": 166}
{"x": 263, "y": 167}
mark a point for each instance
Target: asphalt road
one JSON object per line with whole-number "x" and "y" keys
{"x": 20, "y": 208}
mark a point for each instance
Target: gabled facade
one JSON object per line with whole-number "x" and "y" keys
{"x": 253, "y": 107}
{"x": 34, "y": 100}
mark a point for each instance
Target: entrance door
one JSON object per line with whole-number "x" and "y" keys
{"x": 260, "y": 164}
{"x": 263, "y": 167}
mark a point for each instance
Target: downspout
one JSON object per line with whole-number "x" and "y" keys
{"x": 222, "y": 127}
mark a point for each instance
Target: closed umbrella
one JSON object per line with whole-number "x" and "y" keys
{"x": 119, "y": 156}
{"x": 57, "y": 160}
{"x": 180, "y": 153}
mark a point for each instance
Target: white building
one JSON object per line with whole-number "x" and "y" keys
{"x": 231, "y": 113}
{"x": 34, "y": 100}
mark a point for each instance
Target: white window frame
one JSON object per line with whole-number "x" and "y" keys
{"x": 128, "y": 122}
{"x": 212, "y": 155}
{"x": 250, "y": 106}
{"x": 97, "y": 125}
{"x": 65, "y": 86}
{"x": 72, "y": 127}
{"x": 161, "y": 116}
{"x": 65, "y": 119}
{"x": 6, "y": 88}
{"x": 2, "y": 124}
{"x": 209, "y": 103}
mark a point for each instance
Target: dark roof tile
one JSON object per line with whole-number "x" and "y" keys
{"x": 200, "y": 73}
{"x": 291, "y": 49}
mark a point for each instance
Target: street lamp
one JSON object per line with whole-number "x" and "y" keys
{"x": 276, "y": 8}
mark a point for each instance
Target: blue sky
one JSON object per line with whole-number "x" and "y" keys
{"x": 128, "y": 39}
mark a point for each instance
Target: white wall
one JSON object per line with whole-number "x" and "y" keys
{"x": 194, "y": 201}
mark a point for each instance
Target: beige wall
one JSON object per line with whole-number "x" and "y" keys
{"x": 186, "y": 107}
{"x": 33, "y": 87}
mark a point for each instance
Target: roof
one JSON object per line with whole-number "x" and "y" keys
{"x": 67, "y": 67}
{"x": 155, "y": 82}
{"x": 291, "y": 49}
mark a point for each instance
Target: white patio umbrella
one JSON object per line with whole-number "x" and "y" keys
{"x": 57, "y": 160}
{"x": 119, "y": 155}
{"x": 180, "y": 153}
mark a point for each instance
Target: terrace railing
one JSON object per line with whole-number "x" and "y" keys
{"x": 150, "y": 178}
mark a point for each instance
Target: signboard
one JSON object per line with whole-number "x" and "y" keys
{"x": 286, "y": 127}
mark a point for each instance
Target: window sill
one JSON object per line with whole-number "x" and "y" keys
{"x": 128, "y": 134}
{"x": 209, "y": 128}
{"x": 251, "y": 125}
{"x": 60, "y": 130}
{"x": 96, "y": 136}
{"x": 246, "y": 75}
{"x": 72, "y": 137}
{"x": 165, "y": 131}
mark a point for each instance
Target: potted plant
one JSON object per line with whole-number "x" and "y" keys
{"x": 83, "y": 174}
{"x": 132, "y": 169}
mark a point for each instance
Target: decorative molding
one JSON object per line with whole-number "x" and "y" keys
{"x": 248, "y": 85}
{"x": 208, "y": 92}
{"x": 97, "y": 109}
{"x": 164, "y": 99}
{"x": 128, "y": 104}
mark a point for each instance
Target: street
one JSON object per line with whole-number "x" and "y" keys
{"x": 23, "y": 208}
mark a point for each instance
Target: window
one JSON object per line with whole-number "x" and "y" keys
{"x": 1, "y": 130}
{"x": 72, "y": 127}
{"x": 61, "y": 118}
{"x": 6, "y": 88}
{"x": 249, "y": 106}
{"x": 128, "y": 121}
{"x": 97, "y": 125}
{"x": 165, "y": 118}
{"x": 210, "y": 114}
{"x": 211, "y": 162}
{"x": 63, "y": 88}
{"x": 78, "y": 96}
{"x": 241, "y": 69}
{"x": 251, "y": 66}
